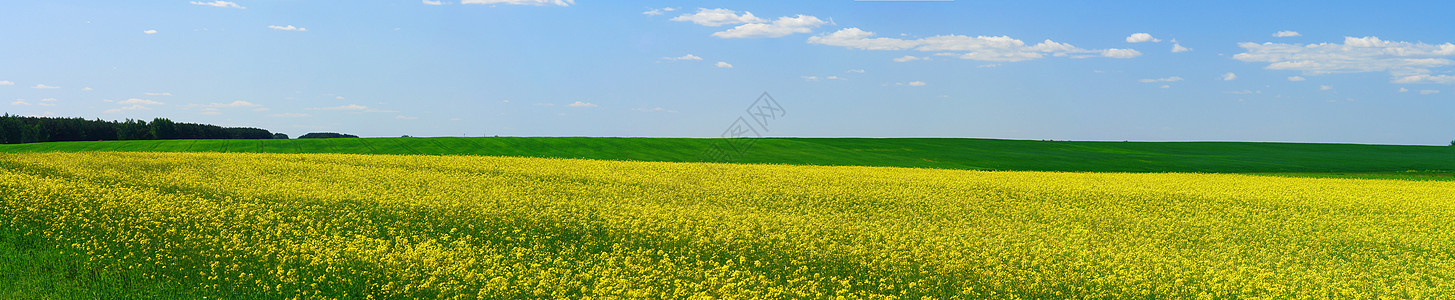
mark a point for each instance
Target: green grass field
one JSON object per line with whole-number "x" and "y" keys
{"x": 1429, "y": 162}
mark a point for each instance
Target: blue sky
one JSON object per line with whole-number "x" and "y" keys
{"x": 1306, "y": 71}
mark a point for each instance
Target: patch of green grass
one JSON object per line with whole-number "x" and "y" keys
{"x": 942, "y": 153}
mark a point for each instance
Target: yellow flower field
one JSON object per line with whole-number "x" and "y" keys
{"x": 317, "y": 226}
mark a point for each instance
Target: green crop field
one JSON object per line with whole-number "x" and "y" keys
{"x": 1363, "y": 161}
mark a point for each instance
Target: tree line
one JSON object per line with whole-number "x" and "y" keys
{"x": 18, "y": 129}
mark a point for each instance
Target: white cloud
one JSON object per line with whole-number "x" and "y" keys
{"x": 832, "y": 77}
{"x": 911, "y": 83}
{"x": 1168, "y": 79}
{"x": 1325, "y": 87}
{"x": 909, "y": 58}
{"x": 42, "y": 86}
{"x": 427, "y": 2}
{"x": 150, "y": 31}
{"x": 138, "y": 101}
{"x": 781, "y": 27}
{"x": 1404, "y": 61}
{"x": 1429, "y": 92}
{"x": 1296, "y": 78}
{"x": 860, "y": 71}
{"x": 522, "y": 2}
{"x": 1426, "y": 78}
{"x": 6, "y": 82}
{"x": 1141, "y": 38}
{"x": 219, "y": 3}
{"x": 19, "y": 102}
{"x": 1165, "y": 86}
{"x": 718, "y": 17}
{"x": 157, "y": 94}
{"x": 983, "y": 48}
{"x": 403, "y": 117}
{"x": 1402, "y": 90}
{"x": 809, "y": 78}
{"x": 87, "y": 89}
{"x": 289, "y": 115}
{"x": 658, "y": 11}
{"x": 724, "y": 65}
{"x": 1286, "y": 33}
{"x": 1120, "y": 53}
{"x": 287, "y": 28}
{"x": 1178, "y": 48}
{"x": 338, "y": 97}
{"x": 48, "y": 100}
{"x": 581, "y": 104}
{"x": 1230, "y": 76}
{"x": 684, "y": 57}
{"x": 988, "y": 66}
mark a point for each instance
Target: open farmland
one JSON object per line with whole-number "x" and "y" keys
{"x": 940, "y": 153}
{"x": 239, "y": 225}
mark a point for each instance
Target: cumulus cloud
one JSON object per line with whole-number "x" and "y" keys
{"x": 150, "y": 31}
{"x": 139, "y": 101}
{"x": 219, "y": 3}
{"x": 6, "y": 82}
{"x": 909, "y": 58}
{"x": 427, "y": 2}
{"x": 724, "y": 65}
{"x": 1402, "y": 90}
{"x": 718, "y": 17}
{"x": 581, "y": 104}
{"x": 1406, "y": 62}
{"x": 1168, "y": 79}
{"x": 911, "y": 83}
{"x": 522, "y": 2}
{"x": 1230, "y": 76}
{"x": 287, "y": 28}
{"x": 781, "y": 27}
{"x": 684, "y": 57}
{"x": 658, "y": 11}
{"x": 983, "y": 48}
{"x": 1178, "y": 48}
{"x": 1120, "y": 53}
{"x": 809, "y": 78}
{"x": 1141, "y": 38}
{"x": 1296, "y": 78}
{"x": 1286, "y": 33}
{"x": 1425, "y": 78}
{"x": 1325, "y": 87}
{"x": 1429, "y": 92}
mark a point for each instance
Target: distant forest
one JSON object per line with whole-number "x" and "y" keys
{"x": 17, "y": 130}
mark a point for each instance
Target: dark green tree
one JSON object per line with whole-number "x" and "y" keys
{"x": 163, "y": 129}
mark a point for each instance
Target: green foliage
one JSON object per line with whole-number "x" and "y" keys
{"x": 17, "y": 129}
{"x": 326, "y": 135}
{"x": 280, "y": 136}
